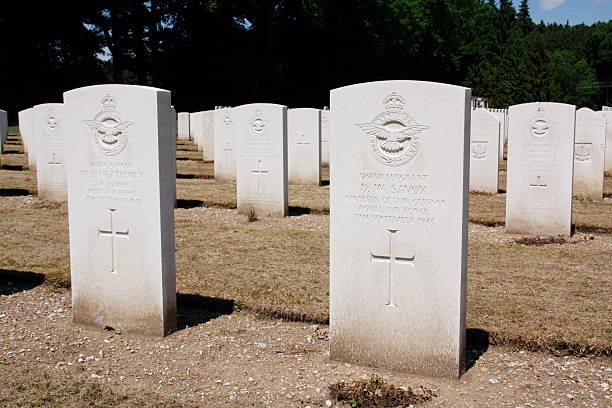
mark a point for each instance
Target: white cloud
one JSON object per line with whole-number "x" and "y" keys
{"x": 548, "y": 5}
{"x": 602, "y": 1}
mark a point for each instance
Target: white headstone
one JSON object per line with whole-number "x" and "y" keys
{"x": 261, "y": 165}
{"x": 224, "y": 144}
{"x": 398, "y": 225}
{"x": 607, "y": 114}
{"x": 121, "y": 203}
{"x": 325, "y": 138}
{"x": 25, "y": 127}
{"x": 484, "y": 151}
{"x": 589, "y": 149}
{"x": 208, "y": 146}
{"x": 304, "y": 144}
{"x": 48, "y": 130}
{"x": 192, "y": 129}
{"x": 3, "y": 129}
{"x": 183, "y": 126}
{"x": 196, "y": 125}
{"x": 501, "y": 115}
{"x": 540, "y": 164}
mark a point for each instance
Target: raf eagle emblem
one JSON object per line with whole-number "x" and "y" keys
{"x": 393, "y": 134}
{"x": 107, "y": 128}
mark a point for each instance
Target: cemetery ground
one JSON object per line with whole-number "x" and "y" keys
{"x": 253, "y": 307}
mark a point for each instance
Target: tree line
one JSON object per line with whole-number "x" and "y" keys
{"x": 230, "y": 52}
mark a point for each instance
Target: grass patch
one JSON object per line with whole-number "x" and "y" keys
{"x": 375, "y": 393}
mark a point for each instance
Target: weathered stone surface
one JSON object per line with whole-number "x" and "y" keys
{"x": 183, "y": 126}
{"x": 224, "y": 144}
{"x": 589, "y": 149}
{"x": 304, "y": 133}
{"x": 48, "y": 130}
{"x": 121, "y": 177}
{"x": 484, "y": 151}
{"x": 325, "y": 134}
{"x": 261, "y": 148}
{"x": 540, "y": 164}
{"x": 398, "y": 197}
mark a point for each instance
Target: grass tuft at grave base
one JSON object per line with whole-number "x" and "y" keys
{"x": 540, "y": 294}
{"x": 375, "y": 393}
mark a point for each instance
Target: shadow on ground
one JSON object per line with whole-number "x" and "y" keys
{"x": 12, "y": 281}
{"x": 9, "y": 192}
{"x": 186, "y": 204}
{"x": 194, "y": 309}
{"x": 477, "y": 343}
{"x": 194, "y": 176}
{"x": 11, "y": 167}
{"x": 297, "y": 211}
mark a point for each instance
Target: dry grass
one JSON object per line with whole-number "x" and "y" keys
{"x": 375, "y": 393}
{"x": 20, "y": 388}
{"x": 554, "y": 296}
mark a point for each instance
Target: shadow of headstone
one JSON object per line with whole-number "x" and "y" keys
{"x": 194, "y": 309}
{"x": 12, "y": 281}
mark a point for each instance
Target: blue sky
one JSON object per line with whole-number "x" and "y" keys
{"x": 576, "y": 11}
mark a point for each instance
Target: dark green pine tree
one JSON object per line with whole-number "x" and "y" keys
{"x": 524, "y": 18}
{"x": 539, "y": 84}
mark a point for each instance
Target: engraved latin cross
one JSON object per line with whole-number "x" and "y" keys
{"x": 112, "y": 233}
{"x": 538, "y": 185}
{"x": 259, "y": 173}
{"x": 392, "y": 259}
{"x": 52, "y": 165}
{"x": 302, "y": 144}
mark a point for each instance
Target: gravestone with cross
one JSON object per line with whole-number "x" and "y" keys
{"x": 261, "y": 165}
{"x": 304, "y": 144}
{"x": 589, "y": 152}
{"x": 48, "y": 131}
{"x": 224, "y": 134}
{"x": 183, "y": 125}
{"x": 121, "y": 174}
{"x": 484, "y": 149}
{"x": 540, "y": 168}
{"x": 398, "y": 225}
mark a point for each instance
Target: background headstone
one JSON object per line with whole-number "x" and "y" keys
{"x": 51, "y": 155}
{"x": 121, "y": 203}
{"x": 192, "y": 131}
{"x": 183, "y": 126}
{"x": 25, "y": 127}
{"x": 607, "y": 114}
{"x": 224, "y": 144}
{"x": 501, "y": 115}
{"x": 484, "y": 151}
{"x": 325, "y": 137}
{"x": 540, "y": 168}
{"x": 304, "y": 144}
{"x": 208, "y": 147}
{"x": 398, "y": 196}
{"x": 196, "y": 124}
{"x": 589, "y": 154}
{"x": 261, "y": 164}
{"x": 3, "y": 129}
